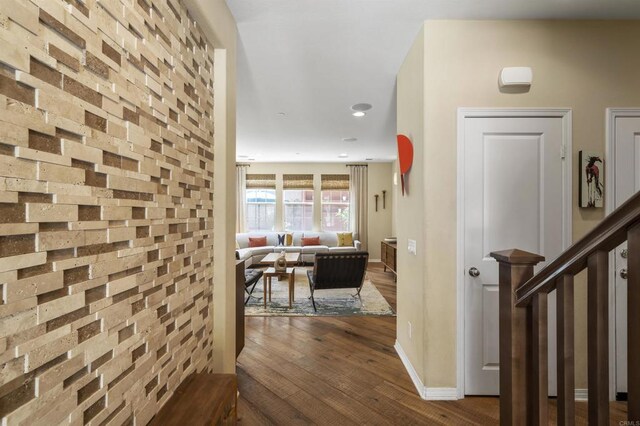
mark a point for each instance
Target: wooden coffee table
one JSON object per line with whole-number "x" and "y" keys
{"x": 292, "y": 258}
{"x": 270, "y": 273}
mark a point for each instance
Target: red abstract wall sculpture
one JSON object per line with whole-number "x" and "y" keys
{"x": 405, "y": 158}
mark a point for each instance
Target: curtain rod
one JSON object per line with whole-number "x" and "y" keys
{"x": 363, "y": 165}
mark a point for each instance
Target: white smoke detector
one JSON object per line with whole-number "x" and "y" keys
{"x": 516, "y": 76}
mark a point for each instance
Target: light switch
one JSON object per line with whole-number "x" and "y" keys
{"x": 412, "y": 246}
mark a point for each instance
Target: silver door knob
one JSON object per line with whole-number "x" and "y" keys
{"x": 624, "y": 253}
{"x": 623, "y": 274}
{"x": 474, "y": 272}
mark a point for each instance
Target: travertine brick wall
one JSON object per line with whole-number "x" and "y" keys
{"x": 106, "y": 205}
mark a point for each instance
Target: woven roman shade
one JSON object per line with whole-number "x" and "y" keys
{"x": 334, "y": 182}
{"x": 262, "y": 181}
{"x": 297, "y": 181}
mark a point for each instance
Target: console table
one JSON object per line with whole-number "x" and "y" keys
{"x": 240, "y": 286}
{"x": 388, "y": 255}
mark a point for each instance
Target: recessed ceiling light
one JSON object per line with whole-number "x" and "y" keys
{"x": 343, "y": 155}
{"x": 349, "y": 139}
{"x": 361, "y": 107}
{"x": 359, "y": 114}
{"x": 368, "y": 159}
{"x": 281, "y": 114}
{"x": 297, "y": 153}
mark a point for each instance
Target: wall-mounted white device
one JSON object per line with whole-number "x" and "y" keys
{"x": 516, "y": 76}
{"x": 412, "y": 247}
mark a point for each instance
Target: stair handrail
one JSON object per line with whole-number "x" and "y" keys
{"x": 609, "y": 234}
{"x": 524, "y": 330}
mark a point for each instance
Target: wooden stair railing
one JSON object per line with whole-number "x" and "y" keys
{"x": 523, "y": 324}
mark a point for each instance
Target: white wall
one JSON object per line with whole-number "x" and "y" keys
{"x": 380, "y": 178}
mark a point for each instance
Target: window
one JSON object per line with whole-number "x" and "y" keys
{"x": 298, "y": 202}
{"x": 298, "y": 209}
{"x": 335, "y": 203}
{"x": 335, "y": 210}
{"x": 261, "y": 202}
{"x": 261, "y": 209}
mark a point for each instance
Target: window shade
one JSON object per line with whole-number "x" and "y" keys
{"x": 334, "y": 182}
{"x": 264, "y": 181}
{"x": 297, "y": 181}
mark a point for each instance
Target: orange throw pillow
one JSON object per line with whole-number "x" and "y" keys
{"x": 310, "y": 241}
{"x": 257, "y": 241}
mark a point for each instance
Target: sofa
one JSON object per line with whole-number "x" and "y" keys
{"x": 253, "y": 255}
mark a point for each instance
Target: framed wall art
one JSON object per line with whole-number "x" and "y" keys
{"x": 591, "y": 179}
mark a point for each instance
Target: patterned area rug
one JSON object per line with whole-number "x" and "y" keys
{"x": 338, "y": 302}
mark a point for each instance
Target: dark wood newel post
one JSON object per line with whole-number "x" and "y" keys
{"x": 516, "y": 338}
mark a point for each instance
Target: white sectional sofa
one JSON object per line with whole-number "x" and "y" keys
{"x": 253, "y": 255}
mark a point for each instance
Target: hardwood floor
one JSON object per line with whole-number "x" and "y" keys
{"x": 345, "y": 371}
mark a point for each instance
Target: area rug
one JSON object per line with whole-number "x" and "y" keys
{"x": 339, "y": 302}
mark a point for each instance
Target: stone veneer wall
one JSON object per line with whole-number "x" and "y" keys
{"x": 106, "y": 208}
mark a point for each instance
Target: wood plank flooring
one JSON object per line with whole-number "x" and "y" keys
{"x": 345, "y": 371}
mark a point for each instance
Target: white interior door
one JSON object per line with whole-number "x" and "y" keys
{"x": 625, "y": 146}
{"x": 515, "y": 196}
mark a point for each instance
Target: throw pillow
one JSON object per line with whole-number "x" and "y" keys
{"x": 237, "y": 244}
{"x": 310, "y": 241}
{"x": 257, "y": 241}
{"x": 345, "y": 239}
{"x": 285, "y": 240}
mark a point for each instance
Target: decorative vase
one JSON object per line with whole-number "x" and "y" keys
{"x": 280, "y": 265}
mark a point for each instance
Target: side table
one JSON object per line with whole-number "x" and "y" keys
{"x": 270, "y": 273}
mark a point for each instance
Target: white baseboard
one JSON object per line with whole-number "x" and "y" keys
{"x": 582, "y": 394}
{"x": 412, "y": 371}
{"x": 441, "y": 394}
{"x": 433, "y": 394}
{"x": 375, "y": 260}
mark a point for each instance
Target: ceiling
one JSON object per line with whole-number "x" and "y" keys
{"x": 303, "y": 63}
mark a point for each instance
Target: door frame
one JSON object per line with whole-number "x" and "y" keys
{"x": 609, "y": 205}
{"x": 463, "y": 113}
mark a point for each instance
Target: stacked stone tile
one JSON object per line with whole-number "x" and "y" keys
{"x": 106, "y": 208}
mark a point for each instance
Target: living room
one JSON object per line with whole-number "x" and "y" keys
{"x": 312, "y": 200}
{"x": 318, "y": 218}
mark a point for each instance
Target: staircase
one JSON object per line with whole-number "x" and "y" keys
{"x": 523, "y": 324}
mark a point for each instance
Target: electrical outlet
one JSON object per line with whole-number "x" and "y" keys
{"x": 409, "y": 324}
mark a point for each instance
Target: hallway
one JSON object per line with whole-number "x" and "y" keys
{"x": 338, "y": 371}
{"x": 344, "y": 370}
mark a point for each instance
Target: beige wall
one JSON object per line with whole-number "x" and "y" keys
{"x": 380, "y": 177}
{"x": 409, "y": 214}
{"x": 584, "y": 65}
